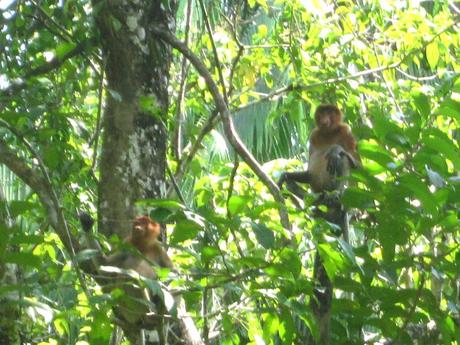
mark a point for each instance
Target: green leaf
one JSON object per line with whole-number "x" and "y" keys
{"x": 237, "y": 203}
{"x": 270, "y": 326}
{"x": 432, "y": 54}
{"x": 291, "y": 261}
{"x": 185, "y": 230}
{"x": 333, "y": 261}
{"x": 435, "y": 178}
{"x": 422, "y": 102}
{"x": 101, "y": 327}
{"x": 451, "y": 108}
{"x": 208, "y": 253}
{"x": 165, "y": 203}
{"x": 52, "y": 157}
{"x": 116, "y": 24}
{"x": 420, "y": 191}
{"x": 376, "y": 153}
{"x": 161, "y": 214}
{"x": 22, "y": 238}
{"x": 154, "y": 287}
{"x": 358, "y": 198}
{"x": 264, "y": 235}
{"x": 149, "y": 105}
{"x": 23, "y": 259}
{"x": 115, "y": 95}
{"x": 287, "y": 328}
{"x": 64, "y": 48}
{"x": 18, "y": 207}
{"x": 446, "y": 147}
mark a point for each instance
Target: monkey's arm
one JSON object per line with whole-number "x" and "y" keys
{"x": 297, "y": 176}
{"x": 335, "y": 161}
{"x": 291, "y": 178}
{"x": 164, "y": 260}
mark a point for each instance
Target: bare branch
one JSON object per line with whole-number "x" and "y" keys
{"x": 300, "y": 87}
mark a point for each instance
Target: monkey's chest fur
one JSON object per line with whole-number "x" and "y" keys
{"x": 321, "y": 178}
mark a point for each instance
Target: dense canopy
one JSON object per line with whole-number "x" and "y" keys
{"x": 189, "y": 111}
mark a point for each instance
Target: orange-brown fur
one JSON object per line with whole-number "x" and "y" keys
{"x": 329, "y": 132}
{"x": 144, "y": 236}
{"x": 333, "y": 131}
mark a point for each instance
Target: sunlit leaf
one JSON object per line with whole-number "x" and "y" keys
{"x": 236, "y": 204}
{"x": 422, "y": 102}
{"x": 185, "y": 230}
{"x": 432, "y": 54}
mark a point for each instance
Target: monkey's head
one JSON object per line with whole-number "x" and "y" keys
{"x": 328, "y": 117}
{"x": 145, "y": 228}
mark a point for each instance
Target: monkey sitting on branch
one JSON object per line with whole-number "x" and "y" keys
{"x": 132, "y": 272}
{"x": 332, "y": 155}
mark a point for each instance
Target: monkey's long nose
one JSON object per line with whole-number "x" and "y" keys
{"x": 325, "y": 121}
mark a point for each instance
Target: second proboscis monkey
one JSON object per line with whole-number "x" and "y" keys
{"x": 332, "y": 153}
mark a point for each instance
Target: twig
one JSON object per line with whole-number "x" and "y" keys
{"x": 208, "y": 126}
{"x": 97, "y": 132}
{"x": 214, "y": 50}
{"x": 174, "y": 183}
{"x": 236, "y": 164}
{"x": 177, "y": 136}
{"x": 67, "y": 36}
{"x": 390, "y": 91}
{"x": 411, "y": 77}
{"x": 300, "y": 87}
{"x": 184, "y": 162}
{"x": 412, "y": 309}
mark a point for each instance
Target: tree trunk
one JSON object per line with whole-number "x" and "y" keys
{"x": 133, "y": 157}
{"x": 132, "y": 163}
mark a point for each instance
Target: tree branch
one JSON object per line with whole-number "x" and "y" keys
{"x": 177, "y": 136}
{"x": 300, "y": 87}
{"x": 214, "y": 50}
{"x": 55, "y": 63}
{"x": 37, "y": 183}
{"x": 227, "y": 121}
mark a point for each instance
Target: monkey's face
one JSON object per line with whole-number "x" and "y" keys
{"x": 144, "y": 227}
{"x": 327, "y": 120}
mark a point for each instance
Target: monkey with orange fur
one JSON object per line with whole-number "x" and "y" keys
{"x": 332, "y": 153}
{"x": 144, "y": 236}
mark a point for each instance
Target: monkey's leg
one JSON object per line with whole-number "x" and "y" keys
{"x": 339, "y": 163}
{"x": 291, "y": 178}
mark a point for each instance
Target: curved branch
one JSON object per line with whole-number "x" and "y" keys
{"x": 227, "y": 121}
{"x": 39, "y": 185}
